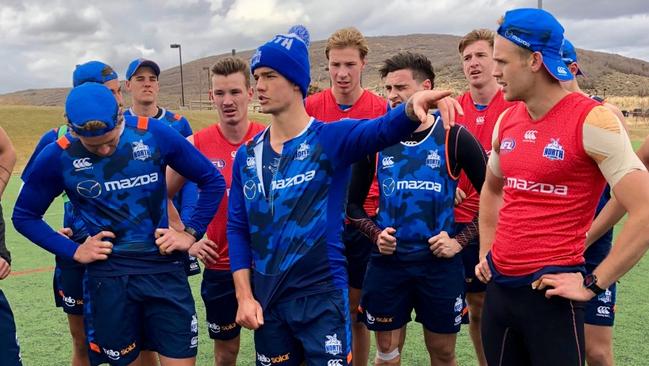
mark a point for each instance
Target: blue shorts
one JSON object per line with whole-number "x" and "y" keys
{"x": 217, "y": 291}
{"x": 314, "y": 328}
{"x": 470, "y": 258}
{"x": 434, "y": 289}
{"x": 9, "y": 348}
{"x": 358, "y": 249}
{"x": 130, "y": 313}
{"x": 600, "y": 310}
{"x": 67, "y": 285}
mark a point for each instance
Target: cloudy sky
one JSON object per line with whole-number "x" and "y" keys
{"x": 42, "y": 40}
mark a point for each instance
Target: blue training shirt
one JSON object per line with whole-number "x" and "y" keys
{"x": 124, "y": 193}
{"x": 292, "y": 231}
{"x": 416, "y": 193}
{"x": 185, "y": 199}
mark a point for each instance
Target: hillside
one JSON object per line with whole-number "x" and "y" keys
{"x": 607, "y": 74}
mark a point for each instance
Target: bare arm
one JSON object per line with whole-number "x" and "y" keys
{"x": 175, "y": 181}
{"x": 249, "y": 314}
{"x": 7, "y": 160}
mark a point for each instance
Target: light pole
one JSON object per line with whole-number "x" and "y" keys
{"x": 180, "y": 57}
{"x": 209, "y": 82}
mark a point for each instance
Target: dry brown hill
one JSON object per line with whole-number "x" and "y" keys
{"x": 607, "y": 74}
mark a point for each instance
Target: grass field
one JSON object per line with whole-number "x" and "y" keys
{"x": 42, "y": 329}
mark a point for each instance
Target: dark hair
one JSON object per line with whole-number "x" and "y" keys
{"x": 419, "y": 64}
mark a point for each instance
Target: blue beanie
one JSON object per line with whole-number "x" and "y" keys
{"x": 288, "y": 54}
{"x": 91, "y": 102}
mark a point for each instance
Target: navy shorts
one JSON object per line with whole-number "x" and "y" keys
{"x": 600, "y": 310}
{"x": 191, "y": 265}
{"x": 434, "y": 289}
{"x": 358, "y": 249}
{"x": 131, "y": 313}
{"x": 67, "y": 285}
{"x": 520, "y": 326}
{"x": 470, "y": 258}
{"x": 217, "y": 291}
{"x": 314, "y": 328}
{"x": 9, "y": 348}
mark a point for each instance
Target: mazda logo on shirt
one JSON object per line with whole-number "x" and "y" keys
{"x": 89, "y": 188}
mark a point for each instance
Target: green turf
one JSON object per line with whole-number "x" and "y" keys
{"x": 42, "y": 329}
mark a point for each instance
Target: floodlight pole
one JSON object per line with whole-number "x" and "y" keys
{"x": 182, "y": 84}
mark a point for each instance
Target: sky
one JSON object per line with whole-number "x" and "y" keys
{"x": 42, "y": 40}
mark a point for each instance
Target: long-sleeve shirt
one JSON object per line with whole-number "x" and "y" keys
{"x": 291, "y": 233}
{"x": 124, "y": 193}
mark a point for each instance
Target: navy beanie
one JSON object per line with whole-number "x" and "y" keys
{"x": 288, "y": 54}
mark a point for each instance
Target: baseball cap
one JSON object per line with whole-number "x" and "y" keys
{"x": 288, "y": 54}
{"x": 140, "y": 62}
{"x": 91, "y": 102}
{"x": 93, "y": 72}
{"x": 569, "y": 55}
{"x": 538, "y": 31}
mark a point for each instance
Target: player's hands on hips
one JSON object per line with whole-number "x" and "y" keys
{"x": 459, "y": 196}
{"x": 444, "y": 246}
{"x": 418, "y": 105}
{"x": 170, "y": 239}
{"x": 5, "y": 268}
{"x": 95, "y": 248}
{"x": 386, "y": 242}
{"x": 205, "y": 250}
{"x": 66, "y": 231}
{"x": 568, "y": 285}
{"x": 482, "y": 271}
{"x": 249, "y": 314}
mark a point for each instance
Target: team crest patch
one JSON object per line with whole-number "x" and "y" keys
{"x": 333, "y": 346}
{"x": 459, "y": 304}
{"x": 302, "y": 152}
{"x": 433, "y": 159}
{"x": 479, "y": 120}
{"x": 140, "y": 150}
{"x": 605, "y": 297}
{"x": 553, "y": 150}
{"x": 507, "y": 145}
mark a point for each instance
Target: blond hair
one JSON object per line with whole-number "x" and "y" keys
{"x": 347, "y": 37}
{"x": 474, "y": 36}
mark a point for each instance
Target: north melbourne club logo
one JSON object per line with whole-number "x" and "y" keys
{"x": 302, "y": 152}
{"x": 605, "y": 297}
{"x": 250, "y": 162}
{"x": 459, "y": 304}
{"x": 433, "y": 159}
{"x": 89, "y": 188}
{"x": 553, "y": 150}
{"x": 333, "y": 346}
{"x": 140, "y": 151}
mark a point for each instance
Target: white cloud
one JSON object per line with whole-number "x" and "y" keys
{"x": 43, "y": 40}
